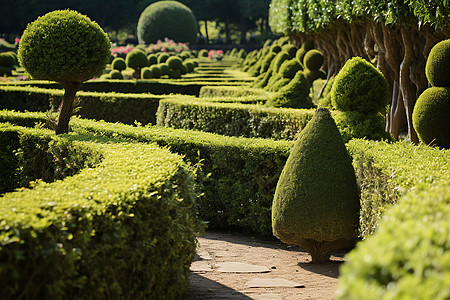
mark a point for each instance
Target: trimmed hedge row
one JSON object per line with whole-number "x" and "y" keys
{"x": 227, "y": 91}
{"x": 408, "y": 257}
{"x": 232, "y": 119}
{"x": 386, "y": 171}
{"x": 119, "y": 230}
{"x": 113, "y": 107}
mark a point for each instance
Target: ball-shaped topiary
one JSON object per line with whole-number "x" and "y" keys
{"x": 156, "y": 71}
{"x": 119, "y": 64}
{"x": 291, "y": 49}
{"x": 152, "y": 59}
{"x": 146, "y": 73}
{"x": 67, "y": 47}
{"x": 189, "y": 66}
{"x": 136, "y": 60}
{"x": 437, "y": 68}
{"x": 163, "y": 57}
{"x": 311, "y": 76}
{"x": 7, "y": 60}
{"x": 115, "y": 74}
{"x": 275, "y": 48}
{"x": 167, "y": 19}
{"x": 313, "y": 59}
{"x": 175, "y": 62}
{"x": 175, "y": 74}
{"x": 431, "y": 116}
{"x": 204, "y": 53}
{"x": 289, "y": 68}
{"x": 165, "y": 69}
{"x": 316, "y": 203}
{"x": 359, "y": 86}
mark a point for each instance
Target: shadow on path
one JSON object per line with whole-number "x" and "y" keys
{"x": 204, "y": 288}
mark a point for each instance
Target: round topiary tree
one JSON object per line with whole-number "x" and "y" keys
{"x": 136, "y": 60}
{"x": 289, "y": 68}
{"x": 156, "y": 71}
{"x": 115, "y": 74}
{"x": 316, "y": 203}
{"x": 165, "y": 69}
{"x": 294, "y": 94}
{"x": 174, "y": 62}
{"x": 167, "y": 19}
{"x": 291, "y": 49}
{"x": 437, "y": 66}
{"x": 146, "y": 73}
{"x": 313, "y": 60}
{"x": 119, "y": 64}
{"x": 152, "y": 59}
{"x": 67, "y": 47}
{"x": 431, "y": 116}
{"x": 359, "y": 86}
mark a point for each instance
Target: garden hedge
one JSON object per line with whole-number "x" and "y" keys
{"x": 230, "y": 91}
{"x": 232, "y": 119}
{"x": 123, "y": 229}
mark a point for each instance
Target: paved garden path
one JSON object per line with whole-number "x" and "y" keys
{"x": 238, "y": 266}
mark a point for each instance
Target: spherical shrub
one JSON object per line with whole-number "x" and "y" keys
{"x": 313, "y": 59}
{"x": 183, "y": 69}
{"x": 175, "y": 62}
{"x": 64, "y": 46}
{"x": 146, "y": 73}
{"x": 289, "y": 68}
{"x": 311, "y": 76}
{"x": 7, "y": 60}
{"x": 119, "y": 64}
{"x": 175, "y": 74}
{"x": 283, "y": 40}
{"x": 5, "y": 71}
{"x": 165, "y": 69}
{"x": 189, "y": 66}
{"x": 204, "y": 53}
{"x": 136, "y": 59}
{"x": 437, "y": 68}
{"x": 275, "y": 48}
{"x": 152, "y": 59}
{"x": 115, "y": 74}
{"x": 306, "y": 46}
{"x": 279, "y": 60}
{"x": 170, "y": 19}
{"x": 359, "y": 86}
{"x": 162, "y": 58}
{"x": 291, "y": 49}
{"x": 431, "y": 116}
{"x": 156, "y": 71}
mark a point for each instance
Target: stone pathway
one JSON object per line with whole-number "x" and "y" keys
{"x": 238, "y": 266}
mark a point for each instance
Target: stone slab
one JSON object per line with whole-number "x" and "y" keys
{"x": 237, "y": 267}
{"x": 200, "y": 266}
{"x": 272, "y": 283}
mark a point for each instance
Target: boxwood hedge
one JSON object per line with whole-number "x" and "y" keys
{"x": 118, "y": 230}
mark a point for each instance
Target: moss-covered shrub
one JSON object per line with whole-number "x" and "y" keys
{"x": 146, "y": 73}
{"x": 305, "y": 47}
{"x": 409, "y": 255}
{"x": 431, "y": 116}
{"x": 203, "y": 53}
{"x": 291, "y": 49}
{"x": 275, "y": 48}
{"x": 359, "y": 86}
{"x": 175, "y": 74}
{"x": 119, "y": 64}
{"x": 289, "y": 68}
{"x": 438, "y": 64}
{"x": 295, "y": 94}
{"x": 136, "y": 60}
{"x": 313, "y": 59}
{"x": 152, "y": 59}
{"x": 167, "y": 19}
{"x": 312, "y": 75}
{"x": 265, "y": 64}
{"x": 316, "y": 203}
{"x": 279, "y": 60}
{"x": 115, "y": 74}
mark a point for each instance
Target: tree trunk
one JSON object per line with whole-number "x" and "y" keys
{"x": 206, "y": 31}
{"x": 66, "y": 107}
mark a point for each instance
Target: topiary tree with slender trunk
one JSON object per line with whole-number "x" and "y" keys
{"x": 67, "y": 47}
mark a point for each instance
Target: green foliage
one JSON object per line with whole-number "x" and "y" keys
{"x": 359, "y": 86}
{"x": 120, "y": 224}
{"x": 156, "y": 71}
{"x": 119, "y": 64}
{"x": 175, "y": 74}
{"x": 289, "y": 68}
{"x": 295, "y": 94}
{"x": 146, "y": 73}
{"x": 267, "y": 61}
{"x": 165, "y": 69}
{"x": 7, "y": 60}
{"x": 431, "y": 116}
{"x": 275, "y": 48}
{"x": 232, "y": 119}
{"x": 136, "y": 59}
{"x": 230, "y": 91}
{"x": 203, "y": 53}
{"x": 291, "y": 49}
{"x": 313, "y": 75}
{"x": 167, "y": 19}
{"x": 279, "y": 60}
{"x": 152, "y": 59}
{"x": 438, "y": 64}
{"x": 316, "y": 203}
{"x": 409, "y": 255}
{"x": 313, "y": 60}
{"x": 115, "y": 74}
{"x": 162, "y": 58}
{"x": 174, "y": 62}
{"x": 64, "y": 46}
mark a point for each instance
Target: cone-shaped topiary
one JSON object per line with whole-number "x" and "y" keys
{"x": 431, "y": 116}
{"x": 136, "y": 60}
{"x": 115, "y": 74}
{"x": 313, "y": 60}
{"x": 119, "y": 64}
{"x": 295, "y": 94}
{"x": 359, "y": 86}
{"x": 67, "y": 47}
{"x": 167, "y": 19}
{"x": 289, "y": 68}
{"x": 438, "y": 64}
{"x": 316, "y": 203}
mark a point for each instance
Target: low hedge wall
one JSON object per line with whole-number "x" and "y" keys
{"x": 408, "y": 257}
{"x": 124, "y": 229}
{"x": 113, "y": 107}
{"x": 230, "y": 91}
{"x": 232, "y": 119}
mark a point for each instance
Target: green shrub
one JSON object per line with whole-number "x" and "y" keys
{"x": 279, "y": 60}
{"x": 232, "y": 119}
{"x": 289, "y": 68}
{"x": 316, "y": 203}
{"x": 291, "y": 49}
{"x": 156, "y": 71}
{"x": 283, "y": 40}
{"x": 136, "y": 59}
{"x": 121, "y": 224}
{"x": 119, "y": 64}
{"x": 313, "y": 59}
{"x": 174, "y": 62}
{"x": 189, "y": 66}
{"x": 115, "y": 74}
{"x": 438, "y": 63}
{"x": 275, "y": 48}
{"x": 230, "y": 91}
{"x": 165, "y": 69}
{"x": 295, "y": 94}
{"x": 313, "y": 75}
{"x": 265, "y": 64}
{"x": 167, "y": 19}
{"x": 203, "y": 53}
{"x": 359, "y": 86}
{"x": 409, "y": 255}
{"x": 163, "y": 58}
{"x": 431, "y": 116}
{"x": 354, "y": 125}
{"x": 175, "y": 74}
{"x": 306, "y": 46}
{"x": 146, "y": 73}
{"x": 5, "y": 71}
{"x": 152, "y": 59}
{"x": 7, "y": 60}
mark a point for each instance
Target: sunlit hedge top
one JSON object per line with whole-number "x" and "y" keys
{"x": 64, "y": 46}
{"x": 309, "y": 15}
